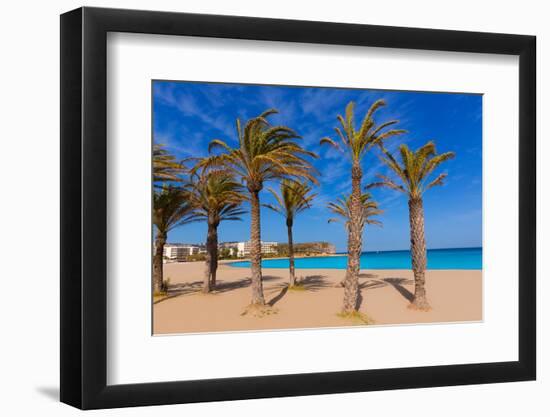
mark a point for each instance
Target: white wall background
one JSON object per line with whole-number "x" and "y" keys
{"x": 29, "y": 212}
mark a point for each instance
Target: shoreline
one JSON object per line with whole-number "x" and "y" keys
{"x": 228, "y": 262}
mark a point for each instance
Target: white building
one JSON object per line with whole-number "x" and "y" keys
{"x": 232, "y": 246}
{"x": 243, "y": 248}
{"x": 178, "y": 252}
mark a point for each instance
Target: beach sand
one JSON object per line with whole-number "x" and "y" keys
{"x": 455, "y": 295}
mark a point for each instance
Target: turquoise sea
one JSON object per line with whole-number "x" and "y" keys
{"x": 462, "y": 258}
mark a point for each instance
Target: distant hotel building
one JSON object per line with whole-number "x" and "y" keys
{"x": 242, "y": 249}
{"x": 178, "y": 252}
{"x": 232, "y": 246}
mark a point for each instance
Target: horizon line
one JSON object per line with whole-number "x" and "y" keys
{"x": 408, "y": 249}
{"x": 336, "y": 253}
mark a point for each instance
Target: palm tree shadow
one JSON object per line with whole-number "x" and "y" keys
{"x": 371, "y": 284}
{"x": 367, "y": 275}
{"x": 188, "y": 288}
{"x": 184, "y": 288}
{"x": 279, "y": 296}
{"x": 359, "y": 301}
{"x": 225, "y": 286}
{"x": 398, "y": 283}
{"x": 310, "y": 283}
{"x": 314, "y": 282}
{"x": 267, "y": 278}
{"x": 368, "y": 285}
{"x": 177, "y": 290}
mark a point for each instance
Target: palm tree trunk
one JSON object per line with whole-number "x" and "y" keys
{"x": 214, "y": 268}
{"x": 355, "y": 244}
{"x": 160, "y": 241}
{"x": 256, "y": 250}
{"x": 206, "y": 283}
{"x": 418, "y": 254}
{"x": 291, "y": 252}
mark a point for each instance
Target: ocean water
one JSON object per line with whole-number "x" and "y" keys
{"x": 463, "y": 258}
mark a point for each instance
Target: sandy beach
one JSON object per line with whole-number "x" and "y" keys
{"x": 455, "y": 295}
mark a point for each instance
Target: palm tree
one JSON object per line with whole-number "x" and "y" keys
{"x": 171, "y": 208}
{"x": 342, "y": 208}
{"x": 165, "y": 166}
{"x": 215, "y": 197}
{"x": 356, "y": 143}
{"x": 264, "y": 152}
{"x": 294, "y": 198}
{"x": 412, "y": 179}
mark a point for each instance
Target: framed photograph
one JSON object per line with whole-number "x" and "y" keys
{"x": 261, "y": 208}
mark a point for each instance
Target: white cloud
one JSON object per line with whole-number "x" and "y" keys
{"x": 189, "y": 106}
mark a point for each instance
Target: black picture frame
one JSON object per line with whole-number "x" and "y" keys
{"x": 84, "y": 207}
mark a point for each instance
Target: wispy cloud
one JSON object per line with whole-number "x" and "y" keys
{"x": 321, "y": 102}
{"x": 189, "y": 106}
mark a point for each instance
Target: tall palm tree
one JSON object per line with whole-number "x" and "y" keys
{"x": 165, "y": 166}
{"x": 264, "y": 152}
{"x": 356, "y": 143}
{"x": 215, "y": 197}
{"x": 413, "y": 179}
{"x": 294, "y": 197}
{"x": 171, "y": 208}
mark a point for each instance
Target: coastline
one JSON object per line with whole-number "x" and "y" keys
{"x": 455, "y": 295}
{"x": 438, "y": 259}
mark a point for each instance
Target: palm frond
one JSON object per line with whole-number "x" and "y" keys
{"x": 275, "y": 208}
{"x": 375, "y": 106}
{"x": 386, "y": 135}
{"x": 217, "y": 143}
{"x": 293, "y": 197}
{"x": 386, "y": 182}
{"x": 342, "y": 208}
{"x": 215, "y": 195}
{"x": 437, "y": 181}
{"x": 434, "y": 162}
{"x": 165, "y": 165}
{"x": 357, "y": 142}
{"x": 171, "y": 208}
{"x": 413, "y": 170}
{"x": 329, "y": 141}
{"x": 375, "y": 223}
{"x": 384, "y": 125}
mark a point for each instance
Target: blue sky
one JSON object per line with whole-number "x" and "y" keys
{"x": 187, "y": 115}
